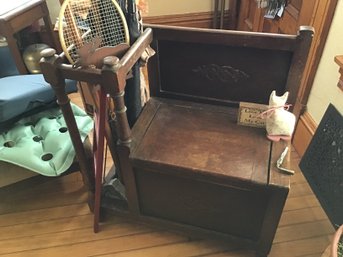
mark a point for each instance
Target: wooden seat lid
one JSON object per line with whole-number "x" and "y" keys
{"x": 222, "y": 149}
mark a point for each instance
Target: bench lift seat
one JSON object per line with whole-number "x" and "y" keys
{"x": 186, "y": 163}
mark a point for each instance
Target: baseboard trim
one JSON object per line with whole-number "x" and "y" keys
{"x": 198, "y": 20}
{"x": 304, "y": 132}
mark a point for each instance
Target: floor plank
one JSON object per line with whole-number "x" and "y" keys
{"x": 101, "y": 243}
{"x": 302, "y": 247}
{"x": 238, "y": 253}
{"x": 45, "y": 227}
{"x": 303, "y": 231}
{"x": 192, "y": 248}
{"x": 304, "y": 215}
{"x": 64, "y": 233}
{"x": 45, "y": 214}
{"x": 301, "y": 202}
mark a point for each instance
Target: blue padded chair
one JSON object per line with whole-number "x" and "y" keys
{"x": 23, "y": 95}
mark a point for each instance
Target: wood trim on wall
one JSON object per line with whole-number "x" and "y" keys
{"x": 304, "y": 133}
{"x": 198, "y": 20}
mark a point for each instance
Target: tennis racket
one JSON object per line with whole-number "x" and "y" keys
{"x": 91, "y": 24}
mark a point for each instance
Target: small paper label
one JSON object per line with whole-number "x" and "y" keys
{"x": 249, "y": 114}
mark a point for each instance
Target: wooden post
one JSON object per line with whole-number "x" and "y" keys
{"x": 114, "y": 84}
{"x": 49, "y": 64}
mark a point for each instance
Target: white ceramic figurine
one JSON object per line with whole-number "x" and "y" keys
{"x": 279, "y": 122}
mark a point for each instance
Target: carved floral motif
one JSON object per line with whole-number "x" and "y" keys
{"x": 214, "y": 72}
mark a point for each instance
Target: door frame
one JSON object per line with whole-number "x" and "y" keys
{"x": 322, "y": 19}
{"x": 306, "y": 126}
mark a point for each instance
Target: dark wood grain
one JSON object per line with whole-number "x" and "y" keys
{"x": 226, "y": 67}
{"x": 205, "y": 141}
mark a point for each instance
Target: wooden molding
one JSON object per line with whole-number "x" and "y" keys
{"x": 304, "y": 132}
{"x": 198, "y": 20}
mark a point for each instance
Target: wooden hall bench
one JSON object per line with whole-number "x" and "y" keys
{"x": 186, "y": 163}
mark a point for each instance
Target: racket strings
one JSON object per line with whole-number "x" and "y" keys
{"x": 111, "y": 24}
{"x": 86, "y": 20}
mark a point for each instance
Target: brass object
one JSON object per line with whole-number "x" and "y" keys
{"x": 3, "y": 42}
{"x": 32, "y": 56}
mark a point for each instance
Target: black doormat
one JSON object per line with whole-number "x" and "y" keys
{"x": 322, "y": 164}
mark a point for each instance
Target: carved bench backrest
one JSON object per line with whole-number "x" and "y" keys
{"x": 226, "y": 67}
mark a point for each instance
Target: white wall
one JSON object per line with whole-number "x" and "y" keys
{"x": 156, "y": 7}
{"x": 325, "y": 90}
{"x": 54, "y": 9}
{"x": 165, "y": 7}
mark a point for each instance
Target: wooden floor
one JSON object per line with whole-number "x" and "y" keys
{"x": 50, "y": 217}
